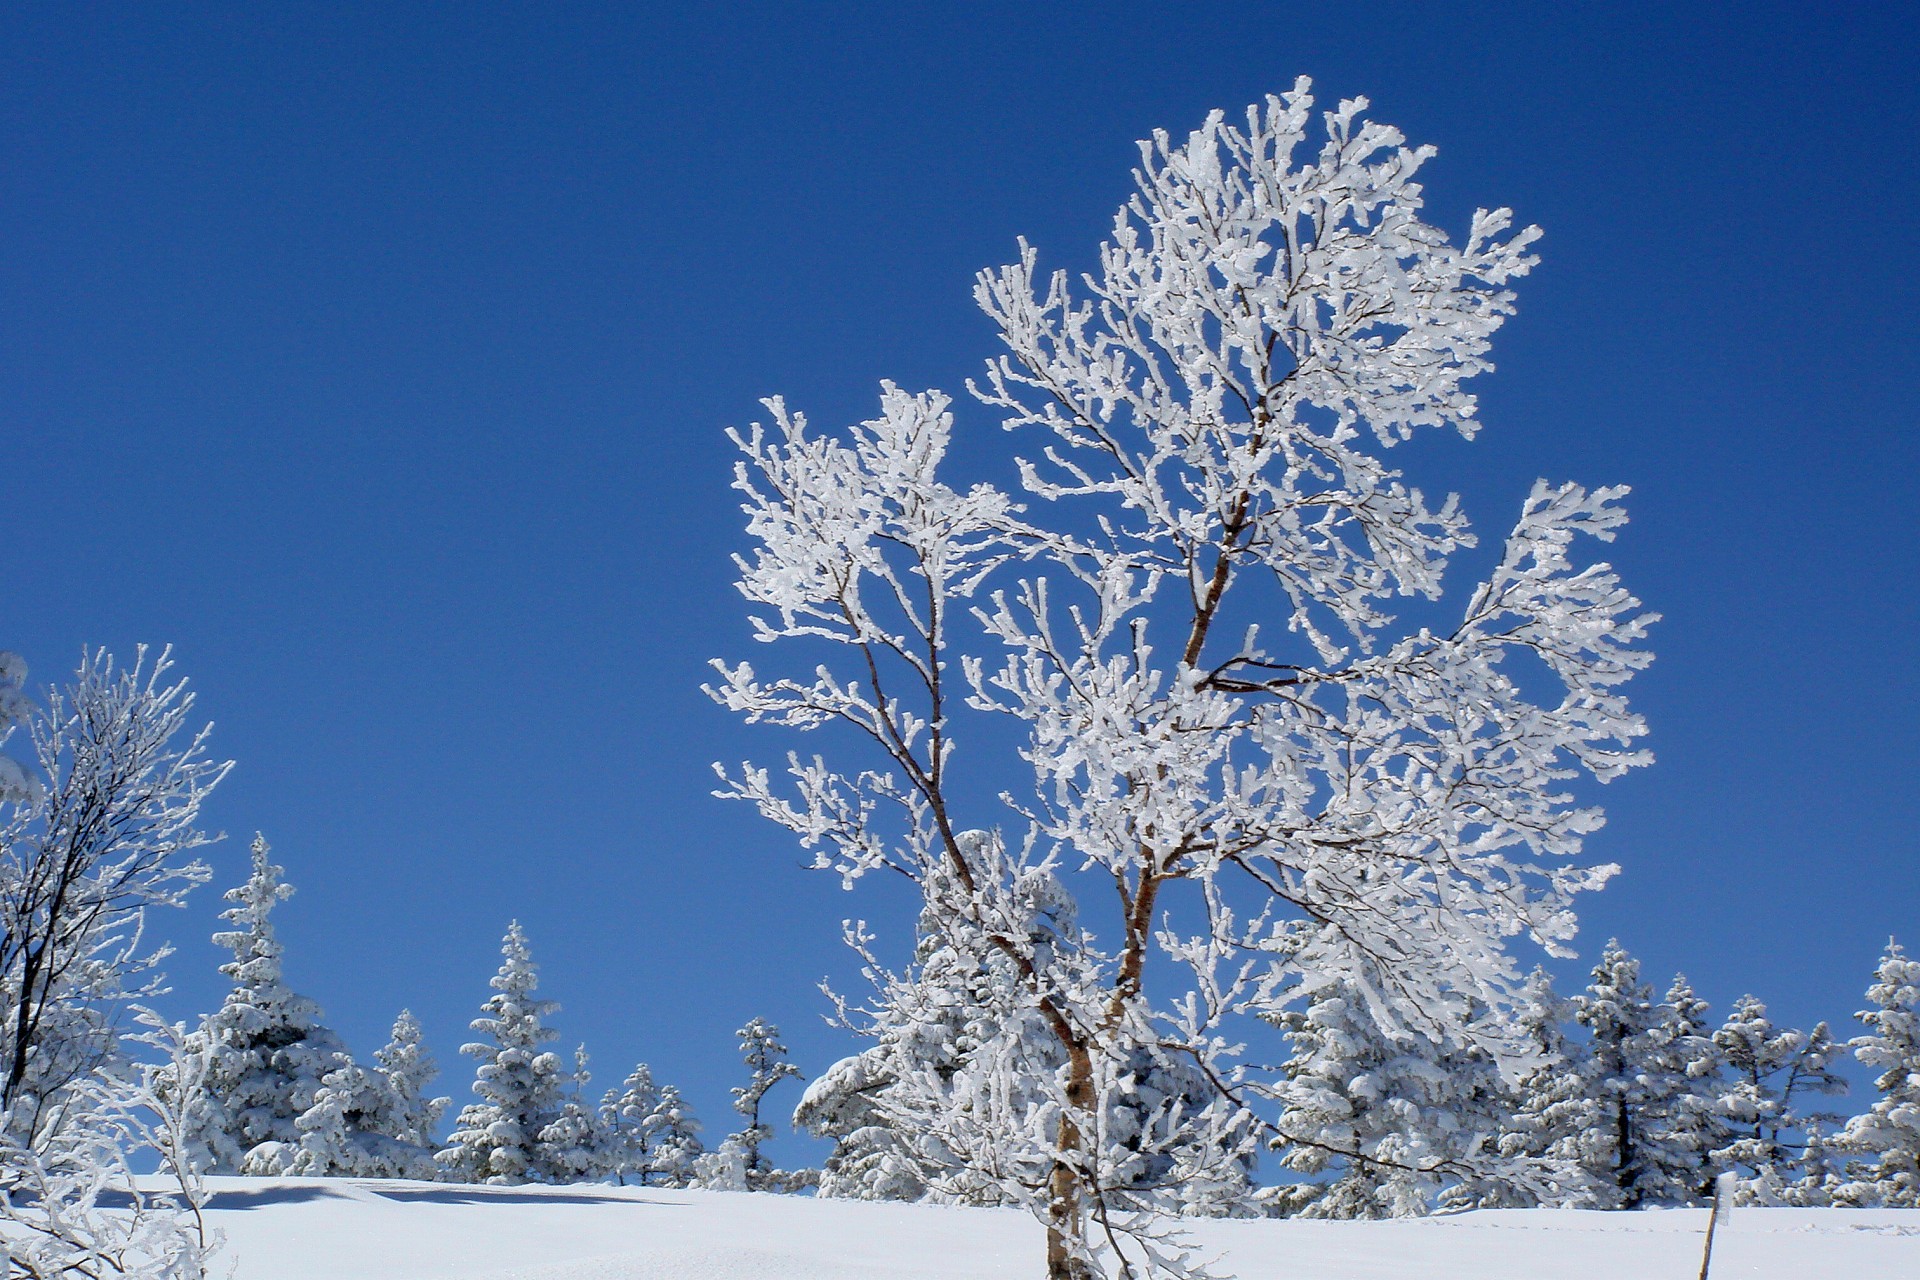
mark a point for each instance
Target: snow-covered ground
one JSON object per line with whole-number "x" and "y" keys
{"x": 334, "y": 1229}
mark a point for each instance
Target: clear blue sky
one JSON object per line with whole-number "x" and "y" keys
{"x": 377, "y": 357}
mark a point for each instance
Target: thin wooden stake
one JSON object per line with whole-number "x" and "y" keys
{"x": 1722, "y": 1210}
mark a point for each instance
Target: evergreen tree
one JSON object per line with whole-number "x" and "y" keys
{"x": 676, "y": 1141}
{"x": 408, "y": 1069}
{"x": 650, "y": 1131}
{"x": 374, "y": 1123}
{"x": 870, "y": 1160}
{"x": 267, "y": 1048}
{"x": 1544, "y": 1145}
{"x": 1684, "y": 1127}
{"x": 339, "y": 1133}
{"x": 1394, "y": 1117}
{"x": 628, "y": 1116}
{"x": 954, "y": 1016}
{"x": 740, "y": 1164}
{"x": 1770, "y": 1071}
{"x": 575, "y": 1146}
{"x": 1635, "y": 1077}
{"x": 1885, "y": 1141}
{"x": 722, "y": 1169}
{"x": 521, "y": 1085}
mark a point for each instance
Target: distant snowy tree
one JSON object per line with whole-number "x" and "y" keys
{"x": 336, "y": 1137}
{"x": 767, "y": 1066}
{"x": 1190, "y": 633}
{"x": 722, "y": 1169}
{"x": 1884, "y": 1141}
{"x": 1770, "y": 1073}
{"x": 1551, "y": 1118}
{"x": 1395, "y": 1120}
{"x": 576, "y": 1146}
{"x": 373, "y": 1123}
{"x": 651, "y": 1133}
{"x": 870, "y": 1160}
{"x": 1683, "y": 1125}
{"x": 97, "y": 830}
{"x": 521, "y": 1085}
{"x": 954, "y": 1039}
{"x": 269, "y": 1048}
{"x": 1617, "y": 1009}
{"x": 676, "y": 1141}
{"x": 408, "y": 1068}
{"x": 630, "y": 1117}
{"x": 15, "y": 710}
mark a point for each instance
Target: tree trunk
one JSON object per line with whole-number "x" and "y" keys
{"x": 1067, "y": 1206}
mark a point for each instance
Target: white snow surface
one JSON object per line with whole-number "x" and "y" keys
{"x": 345, "y": 1229}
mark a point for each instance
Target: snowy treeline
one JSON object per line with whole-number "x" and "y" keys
{"x": 1629, "y": 1099}
{"x": 279, "y": 1093}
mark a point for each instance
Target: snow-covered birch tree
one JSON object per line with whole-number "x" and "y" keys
{"x": 99, "y": 831}
{"x": 1226, "y": 730}
{"x": 97, "y": 828}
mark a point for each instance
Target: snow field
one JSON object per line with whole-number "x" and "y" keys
{"x": 339, "y": 1229}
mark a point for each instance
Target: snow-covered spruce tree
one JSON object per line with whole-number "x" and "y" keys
{"x": 870, "y": 1160}
{"x": 950, "y": 1025}
{"x": 15, "y": 709}
{"x": 336, "y": 1136}
{"x": 269, "y": 1049}
{"x": 576, "y": 1146}
{"x": 1550, "y": 1117}
{"x": 100, "y": 827}
{"x": 1644, "y": 1070}
{"x": 628, "y": 1114}
{"x": 1189, "y": 625}
{"x": 1884, "y": 1141}
{"x": 1392, "y": 1119}
{"x": 1684, "y": 1123}
{"x": 651, "y": 1133}
{"x": 521, "y": 1085}
{"x": 739, "y": 1164}
{"x": 373, "y": 1123}
{"x": 1770, "y": 1073}
{"x": 676, "y": 1141}
{"x": 407, "y": 1066}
